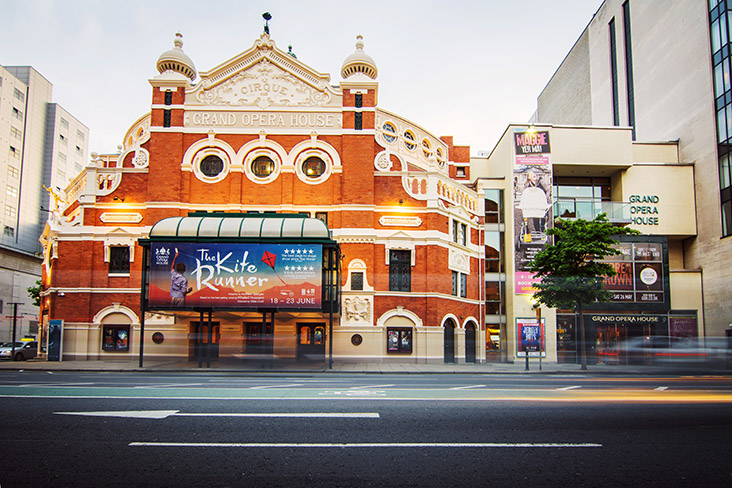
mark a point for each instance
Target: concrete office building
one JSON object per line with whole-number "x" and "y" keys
{"x": 40, "y": 144}
{"x": 663, "y": 69}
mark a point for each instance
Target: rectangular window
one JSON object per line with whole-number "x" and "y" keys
{"x": 19, "y": 95}
{"x": 14, "y": 153}
{"x": 9, "y": 211}
{"x": 9, "y": 231}
{"x": 400, "y": 270}
{"x": 357, "y": 280}
{"x": 464, "y": 234}
{"x": 119, "y": 260}
{"x": 78, "y": 150}
{"x": 322, "y": 216}
{"x": 358, "y": 121}
{"x": 116, "y": 338}
{"x": 61, "y": 158}
{"x": 11, "y": 191}
{"x": 629, "y": 66}
{"x": 463, "y": 285}
{"x": 13, "y": 172}
{"x": 399, "y": 339}
{"x": 17, "y": 114}
{"x": 166, "y": 118}
{"x": 64, "y": 123}
{"x": 614, "y": 73}
{"x": 455, "y": 283}
{"x": 168, "y": 98}
{"x": 725, "y": 171}
{"x": 359, "y": 100}
{"x": 79, "y": 135}
{"x": 460, "y": 172}
{"x": 17, "y": 133}
{"x": 63, "y": 140}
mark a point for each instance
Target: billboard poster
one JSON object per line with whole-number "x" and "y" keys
{"x": 235, "y": 275}
{"x": 640, "y": 273}
{"x": 532, "y": 201}
{"x": 530, "y": 338}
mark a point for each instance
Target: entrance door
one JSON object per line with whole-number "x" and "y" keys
{"x": 449, "y": 341}
{"x": 470, "y": 343}
{"x": 257, "y": 343}
{"x": 311, "y": 341}
{"x": 198, "y": 341}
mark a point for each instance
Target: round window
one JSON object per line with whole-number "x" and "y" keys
{"x": 262, "y": 166}
{"x": 389, "y": 131}
{"x": 409, "y": 140}
{"x": 313, "y": 167}
{"x": 212, "y": 166}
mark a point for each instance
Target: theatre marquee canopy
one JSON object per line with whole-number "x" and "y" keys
{"x": 245, "y": 262}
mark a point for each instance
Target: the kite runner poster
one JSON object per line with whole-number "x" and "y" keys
{"x": 234, "y": 276}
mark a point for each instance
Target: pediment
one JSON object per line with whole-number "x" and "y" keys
{"x": 263, "y": 77}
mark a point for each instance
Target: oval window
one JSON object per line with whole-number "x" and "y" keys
{"x": 262, "y": 166}
{"x": 313, "y": 167}
{"x": 212, "y": 166}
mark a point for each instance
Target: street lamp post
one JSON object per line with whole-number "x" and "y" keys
{"x": 15, "y": 318}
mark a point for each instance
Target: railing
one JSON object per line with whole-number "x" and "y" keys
{"x": 578, "y": 208}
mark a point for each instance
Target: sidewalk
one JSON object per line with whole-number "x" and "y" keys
{"x": 294, "y": 367}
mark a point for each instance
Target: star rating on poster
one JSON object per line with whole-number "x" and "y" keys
{"x": 293, "y": 252}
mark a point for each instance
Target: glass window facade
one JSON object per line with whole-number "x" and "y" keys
{"x": 720, "y": 15}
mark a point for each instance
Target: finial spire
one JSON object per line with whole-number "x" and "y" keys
{"x": 267, "y": 17}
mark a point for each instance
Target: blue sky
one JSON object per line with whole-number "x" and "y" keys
{"x": 462, "y": 68}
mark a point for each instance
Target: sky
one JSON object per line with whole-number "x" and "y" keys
{"x": 461, "y": 68}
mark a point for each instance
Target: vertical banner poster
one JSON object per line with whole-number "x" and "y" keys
{"x": 532, "y": 201}
{"x": 235, "y": 275}
{"x": 55, "y": 335}
{"x": 530, "y": 338}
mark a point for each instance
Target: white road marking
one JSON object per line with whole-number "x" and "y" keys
{"x": 259, "y": 445}
{"x": 370, "y": 386}
{"x": 661, "y": 388}
{"x": 467, "y": 387}
{"x": 162, "y": 414}
{"x": 355, "y": 393}
{"x": 567, "y": 388}
{"x": 53, "y": 385}
{"x": 271, "y": 386}
{"x": 170, "y": 385}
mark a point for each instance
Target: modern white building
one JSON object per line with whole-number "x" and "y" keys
{"x": 663, "y": 69}
{"x": 41, "y": 145}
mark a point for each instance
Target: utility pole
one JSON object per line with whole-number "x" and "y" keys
{"x": 15, "y": 318}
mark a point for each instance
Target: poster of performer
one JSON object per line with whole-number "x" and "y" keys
{"x": 532, "y": 200}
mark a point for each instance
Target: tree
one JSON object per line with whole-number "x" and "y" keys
{"x": 571, "y": 276}
{"x": 34, "y": 292}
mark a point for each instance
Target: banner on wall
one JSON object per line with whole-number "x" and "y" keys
{"x": 532, "y": 201}
{"x": 641, "y": 276}
{"x": 530, "y": 338}
{"x": 235, "y": 276}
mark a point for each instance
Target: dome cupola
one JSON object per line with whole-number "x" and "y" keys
{"x": 176, "y": 60}
{"x": 359, "y": 63}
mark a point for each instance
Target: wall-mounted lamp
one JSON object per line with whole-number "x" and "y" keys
{"x": 121, "y": 199}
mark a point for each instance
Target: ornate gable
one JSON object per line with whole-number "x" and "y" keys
{"x": 264, "y": 77}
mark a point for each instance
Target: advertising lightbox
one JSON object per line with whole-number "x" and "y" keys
{"x": 235, "y": 275}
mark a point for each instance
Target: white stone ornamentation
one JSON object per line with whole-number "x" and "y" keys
{"x": 357, "y": 310}
{"x": 264, "y": 85}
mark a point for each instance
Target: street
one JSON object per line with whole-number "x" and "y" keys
{"x": 131, "y": 429}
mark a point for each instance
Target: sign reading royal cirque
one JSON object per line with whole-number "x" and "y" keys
{"x": 234, "y": 276}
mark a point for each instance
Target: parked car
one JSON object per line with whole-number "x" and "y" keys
{"x": 23, "y": 350}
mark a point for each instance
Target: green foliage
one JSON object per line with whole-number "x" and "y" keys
{"x": 569, "y": 271}
{"x": 34, "y": 292}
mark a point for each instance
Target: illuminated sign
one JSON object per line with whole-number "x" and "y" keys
{"x": 235, "y": 276}
{"x": 640, "y": 273}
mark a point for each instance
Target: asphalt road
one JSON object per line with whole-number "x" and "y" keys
{"x": 113, "y": 429}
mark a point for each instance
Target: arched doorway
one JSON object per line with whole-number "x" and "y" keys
{"x": 470, "y": 342}
{"x": 449, "y": 341}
